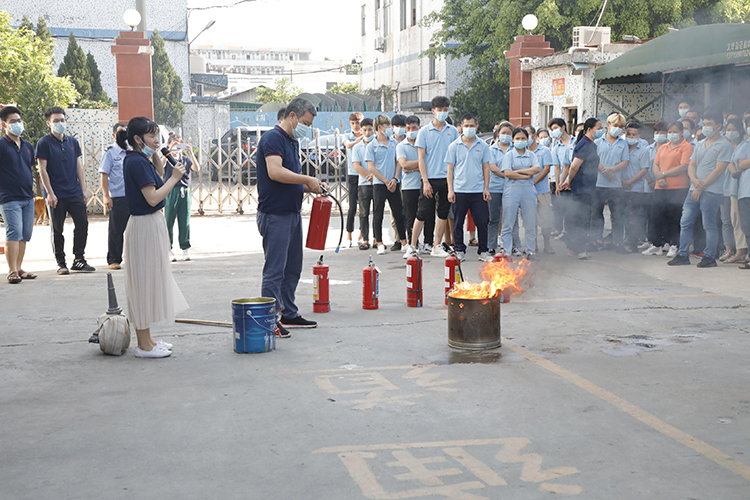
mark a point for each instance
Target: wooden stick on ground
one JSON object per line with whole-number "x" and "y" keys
{"x": 203, "y": 322}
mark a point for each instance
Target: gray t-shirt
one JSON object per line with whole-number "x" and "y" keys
{"x": 706, "y": 159}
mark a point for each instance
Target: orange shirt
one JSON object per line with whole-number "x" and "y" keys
{"x": 669, "y": 157}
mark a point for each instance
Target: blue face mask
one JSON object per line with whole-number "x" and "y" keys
{"x": 148, "y": 151}
{"x": 16, "y": 128}
{"x": 388, "y": 132}
{"x": 686, "y": 134}
{"x": 504, "y": 139}
{"x": 399, "y": 131}
{"x": 598, "y": 133}
{"x": 556, "y": 134}
{"x": 544, "y": 141}
{"x": 732, "y": 135}
{"x": 660, "y": 138}
{"x": 412, "y": 134}
{"x": 441, "y": 115}
{"x": 632, "y": 141}
{"x": 368, "y": 139}
{"x": 300, "y": 130}
{"x": 683, "y": 112}
{"x": 615, "y": 131}
{"x": 59, "y": 127}
{"x": 519, "y": 144}
{"x": 674, "y": 137}
{"x": 470, "y": 132}
{"x": 708, "y": 131}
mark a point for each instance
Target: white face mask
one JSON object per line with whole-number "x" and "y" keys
{"x": 59, "y": 127}
{"x": 441, "y": 115}
{"x": 708, "y": 131}
{"x": 399, "y": 131}
{"x": 368, "y": 138}
{"x": 660, "y": 138}
{"x": 556, "y": 134}
{"x": 470, "y": 132}
{"x": 544, "y": 141}
{"x": 615, "y": 131}
{"x": 674, "y": 137}
{"x": 732, "y": 135}
{"x": 16, "y": 128}
{"x": 504, "y": 138}
{"x": 412, "y": 134}
{"x": 632, "y": 141}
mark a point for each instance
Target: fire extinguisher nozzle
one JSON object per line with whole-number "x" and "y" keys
{"x": 337, "y": 249}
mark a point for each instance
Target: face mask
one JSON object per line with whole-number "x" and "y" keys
{"x": 683, "y": 112}
{"x": 504, "y": 138}
{"x": 615, "y": 131}
{"x": 412, "y": 134}
{"x": 674, "y": 137}
{"x": 598, "y": 133}
{"x": 708, "y": 131}
{"x": 368, "y": 138}
{"x": 388, "y": 132}
{"x": 300, "y": 130}
{"x": 16, "y": 128}
{"x": 519, "y": 144}
{"x": 148, "y": 151}
{"x": 732, "y": 135}
{"x": 544, "y": 142}
{"x": 59, "y": 127}
{"x": 687, "y": 135}
{"x": 399, "y": 131}
{"x": 660, "y": 138}
{"x": 556, "y": 134}
{"x": 470, "y": 132}
{"x": 632, "y": 141}
{"x": 441, "y": 115}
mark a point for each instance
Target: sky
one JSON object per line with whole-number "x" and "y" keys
{"x": 329, "y": 27}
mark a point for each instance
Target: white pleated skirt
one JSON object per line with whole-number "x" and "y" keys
{"x": 153, "y": 295}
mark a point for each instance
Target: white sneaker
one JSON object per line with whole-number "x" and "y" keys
{"x": 185, "y": 255}
{"x": 426, "y": 248}
{"x": 461, "y": 256}
{"x": 485, "y": 257}
{"x": 517, "y": 252}
{"x": 171, "y": 256}
{"x": 665, "y": 248}
{"x": 644, "y": 245}
{"x": 410, "y": 252}
{"x": 166, "y": 345}
{"x": 583, "y": 256}
{"x": 653, "y": 250}
{"x": 672, "y": 251}
{"x": 156, "y": 352}
{"x": 381, "y": 249}
{"x": 437, "y": 251}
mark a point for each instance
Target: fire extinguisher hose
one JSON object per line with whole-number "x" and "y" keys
{"x": 341, "y": 213}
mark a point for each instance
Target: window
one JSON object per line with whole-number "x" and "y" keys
{"x": 404, "y": 15}
{"x": 377, "y": 15}
{"x": 409, "y": 96}
{"x": 546, "y": 113}
{"x": 413, "y": 12}
{"x": 432, "y": 66}
{"x": 387, "y": 17}
{"x": 364, "y": 18}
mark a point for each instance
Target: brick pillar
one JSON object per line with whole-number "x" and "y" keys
{"x": 520, "y": 81}
{"x": 135, "y": 96}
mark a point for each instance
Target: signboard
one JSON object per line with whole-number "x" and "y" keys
{"x": 558, "y": 86}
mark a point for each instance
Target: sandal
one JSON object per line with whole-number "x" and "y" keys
{"x": 746, "y": 266}
{"x": 26, "y": 276}
{"x": 473, "y": 242}
{"x": 13, "y": 278}
{"x": 364, "y": 245}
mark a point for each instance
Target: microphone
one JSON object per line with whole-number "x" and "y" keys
{"x": 168, "y": 155}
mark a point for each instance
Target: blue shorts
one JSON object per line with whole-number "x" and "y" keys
{"x": 18, "y": 217}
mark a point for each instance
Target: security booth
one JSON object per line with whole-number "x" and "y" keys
{"x": 708, "y": 65}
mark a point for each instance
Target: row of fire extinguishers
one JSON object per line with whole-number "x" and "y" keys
{"x": 371, "y": 282}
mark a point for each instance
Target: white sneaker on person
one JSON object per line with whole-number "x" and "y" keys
{"x": 583, "y": 256}
{"x": 410, "y": 252}
{"x": 665, "y": 248}
{"x": 381, "y": 249}
{"x": 185, "y": 255}
{"x": 517, "y": 252}
{"x": 157, "y": 352}
{"x": 461, "y": 256}
{"x": 437, "y": 251}
{"x": 171, "y": 256}
{"x": 166, "y": 345}
{"x": 485, "y": 257}
{"x": 653, "y": 250}
{"x": 644, "y": 245}
{"x": 672, "y": 251}
{"x": 426, "y": 248}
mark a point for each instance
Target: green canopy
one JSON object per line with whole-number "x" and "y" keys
{"x": 690, "y": 48}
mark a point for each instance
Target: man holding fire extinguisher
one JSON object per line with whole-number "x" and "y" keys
{"x": 281, "y": 188}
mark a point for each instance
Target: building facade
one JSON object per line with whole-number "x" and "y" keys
{"x": 392, "y": 47}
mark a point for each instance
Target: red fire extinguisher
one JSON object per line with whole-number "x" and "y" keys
{"x": 320, "y": 288}
{"x": 414, "y": 282}
{"x": 319, "y": 219}
{"x": 370, "y": 286}
{"x": 452, "y": 274}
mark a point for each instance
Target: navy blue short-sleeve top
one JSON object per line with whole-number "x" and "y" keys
{"x": 16, "y": 177}
{"x": 139, "y": 172}
{"x": 62, "y": 164}
{"x": 276, "y": 197}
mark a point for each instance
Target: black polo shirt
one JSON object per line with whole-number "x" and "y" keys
{"x": 16, "y": 177}
{"x": 62, "y": 164}
{"x": 585, "y": 180}
{"x": 276, "y": 197}
{"x": 139, "y": 172}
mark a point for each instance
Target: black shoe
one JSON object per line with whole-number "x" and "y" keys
{"x": 707, "y": 262}
{"x": 680, "y": 260}
{"x": 94, "y": 339}
{"x": 282, "y": 332}
{"x": 396, "y": 247}
{"x": 492, "y": 252}
{"x": 298, "y": 322}
{"x": 62, "y": 269}
{"x": 82, "y": 266}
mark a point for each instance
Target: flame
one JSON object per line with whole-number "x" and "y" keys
{"x": 497, "y": 276}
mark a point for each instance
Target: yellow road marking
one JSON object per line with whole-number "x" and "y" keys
{"x": 619, "y": 297}
{"x": 647, "y": 418}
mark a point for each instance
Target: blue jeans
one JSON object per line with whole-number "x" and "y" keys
{"x": 282, "y": 246}
{"x": 19, "y": 219}
{"x": 493, "y": 227}
{"x": 523, "y": 196}
{"x": 708, "y": 207}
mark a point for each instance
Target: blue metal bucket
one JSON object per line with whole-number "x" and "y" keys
{"x": 254, "y": 324}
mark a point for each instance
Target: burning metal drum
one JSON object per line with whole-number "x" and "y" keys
{"x": 474, "y": 323}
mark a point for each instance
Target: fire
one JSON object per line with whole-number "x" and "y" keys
{"x": 497, "y": 276}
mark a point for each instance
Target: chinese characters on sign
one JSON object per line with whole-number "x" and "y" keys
{"x": 738, "y": 50}
{"x": 558, "y": 86}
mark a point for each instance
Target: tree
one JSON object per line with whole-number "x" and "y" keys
{"x": 168, "y": 106}
{"x": 732, "y": 11}
{"x": 75, "y": 67}
{"x": 97, "y": 92}
{"x": 283, "y": 93}
{"x": 26, "y": 24}
{"x": 344, "y": 88}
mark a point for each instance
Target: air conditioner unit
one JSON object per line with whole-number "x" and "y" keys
{"x": 380, "y": 44}
{"x": 586, "y": 36}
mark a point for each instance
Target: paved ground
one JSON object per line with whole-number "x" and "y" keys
{"x": 619, "y": 378}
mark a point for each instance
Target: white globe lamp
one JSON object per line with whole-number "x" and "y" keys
{"x": 133, "y": 18}
{"x": 529, "y": 22}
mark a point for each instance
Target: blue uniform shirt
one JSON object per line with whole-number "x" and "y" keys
{"x": 544, "y": 155}
{"x": 111, "y": 165}
{"x": 409, "y": 180}
{"x": 561, "y": 154}
{"x": 276, "y": 197}
{"x": 639, "y": 158}
{"x": 742, "y": 152}
{"x": 358, "y": 154}
{"x": 514, "y": 160}
{"x": 139, "y": 172}
{"x": 467, "y": 161}
{"x": 706, "y": 159}
{"x": 62, "y": 164}
{"x": 350, "y": 137}
{"x": 653, "y": 148}
{"x": 435, "y": 144}
{"x": 384, "y": 158}
{"x": 609, "y": 156}
{"x": 497, "y": 183}
{"x": 16, "y": 177}
{"x": 585, "y": 180}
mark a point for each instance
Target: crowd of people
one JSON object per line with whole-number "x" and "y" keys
{"x": 661, "y": 198}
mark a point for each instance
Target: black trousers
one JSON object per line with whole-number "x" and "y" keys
{"x": 614, "y": 198}
{"x": 480, "y": 212}
{"x": 380, "y": 194}
{"x": 365, "y": 200}
{"x": 743, "y": 205}
{"x": 410, "y": 198}
{"x": 427, "y": 206}
{"x": 557, "y": 209}
{"x": 578, "y": 221}
{"x": 666, "y": 212}
{"x": 76, "y": 207}
{"x": 118, "y": 221}
{"x": 353, "y": 192}
{"x": 635, "y": 217}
